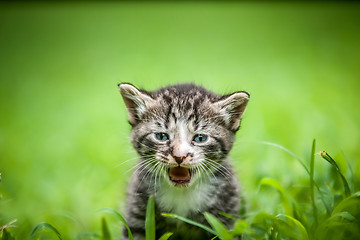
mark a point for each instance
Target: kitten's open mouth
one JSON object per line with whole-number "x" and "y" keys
{"x": 180, "y": 176}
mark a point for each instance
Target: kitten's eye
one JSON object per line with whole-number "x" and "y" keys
{"x": 162, "y": 137}
{"x": 200, "y": 138}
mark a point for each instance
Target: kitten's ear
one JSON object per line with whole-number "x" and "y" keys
{"x": 136, "y": 101}
{"x": 232, "y": 108}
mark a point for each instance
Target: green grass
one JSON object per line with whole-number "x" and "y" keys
{"x": 296, "y": 222}
{"x": 63, "y": 128}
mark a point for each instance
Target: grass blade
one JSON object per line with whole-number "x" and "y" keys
{"x": 206, "y": 228}
{"x": 284, "y": 199}
{"x": 6, "y": 235}
{"x": 150, "y": 219}
{"x": 263, "y": 225}
{"x": 221, "y": 231}
{"x": 345, "y": 215}
{"x": 119, "y": 217}
{"x": 328, "y": 210}
{"x": 329, "y": 159}
{"x": 291, "y": 228}
{"x": 41, "y": 227}
{"x": 166, "y": 236}
{"x": 289, "y": 152}
{"x": 240, "y": 227}
{"x": 350, "y": 204}
{"x": 312, "y": 173}
{"x": 228, "y": 215}
{"x": 352, "y": 177}
{"x": 344, "y": 222}
{"x": 105, "y": 230}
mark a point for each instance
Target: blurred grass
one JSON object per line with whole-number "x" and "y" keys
{"x": 63, "y": 127}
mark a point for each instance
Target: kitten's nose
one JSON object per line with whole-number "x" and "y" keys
{"x": 179, "y": 160}
{"x": 180, "y": 151}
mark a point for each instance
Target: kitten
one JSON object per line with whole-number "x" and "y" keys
{"x": 183, "y": 134}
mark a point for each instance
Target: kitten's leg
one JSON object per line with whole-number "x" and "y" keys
{"x": 136, "y": 209}
{"x": 136, "y": 220}
{"x": 227, "y": 199}
{"x": 136, "y": 235}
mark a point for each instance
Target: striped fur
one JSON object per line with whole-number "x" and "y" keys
{"x": 165, "y": 125}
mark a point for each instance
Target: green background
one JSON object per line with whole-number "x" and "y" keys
{"x": 63, "y": 128}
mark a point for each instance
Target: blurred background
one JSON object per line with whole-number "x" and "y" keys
{"x": 64, "y": 135}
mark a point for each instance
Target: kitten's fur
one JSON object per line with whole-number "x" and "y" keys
{"x": 187, "y": 173}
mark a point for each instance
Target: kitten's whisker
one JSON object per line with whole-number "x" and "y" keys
{"x": 126, "y": 161}
{"x": 148, "y": 147}
{"x": 206, "y": 173}
{"x": 141, "y": 163}
{"x": 209, "y": 170}
{"x": 201, "y": 175}
{"x": 148, "y": 163}
{"x": 145, "y": 165}
{"x": 226, "y": 174}
{"x": 205, "y": 169}
{"x": 158, "y": 174}
{"x": 149, "y": 171}
{"x": 153, "y": 174}
{"x": 219, "y": 166}
{"x": 137, "y": 166}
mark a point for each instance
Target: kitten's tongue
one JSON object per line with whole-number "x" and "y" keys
{"x": 179, "y": 174}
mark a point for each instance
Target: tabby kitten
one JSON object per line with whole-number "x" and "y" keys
{"x": 182, "y": 134}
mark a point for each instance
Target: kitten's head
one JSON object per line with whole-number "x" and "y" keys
{"x": 183, "y": 132}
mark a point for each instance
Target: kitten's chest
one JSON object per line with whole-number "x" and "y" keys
{"x": 184, "y": 201}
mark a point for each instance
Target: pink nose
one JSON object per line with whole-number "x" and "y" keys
{"x": 180, "y": 152}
